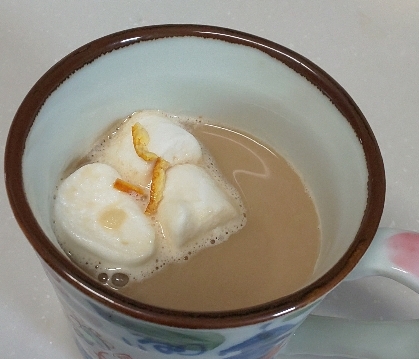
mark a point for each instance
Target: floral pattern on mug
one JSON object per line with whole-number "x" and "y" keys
{"x": 265, "y": 344}
{"x": 147, "y": 336}
{"x": 404, "y": 251}
{"x": 87, "y": 334}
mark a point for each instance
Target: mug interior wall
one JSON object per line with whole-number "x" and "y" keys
{"x": 230, "y": 84}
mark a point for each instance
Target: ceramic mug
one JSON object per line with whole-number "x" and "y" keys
{"x": 241, "y": 81}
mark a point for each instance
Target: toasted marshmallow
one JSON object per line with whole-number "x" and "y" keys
{"x": 91, "y": 214}
{"x": 167, "y": 140}
{"x": 192, "y": 205}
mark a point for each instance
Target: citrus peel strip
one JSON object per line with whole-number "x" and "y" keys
{"x": 140, "y": 140}
{"x": 157, "y": 185}
{"x": 127, "y": 187}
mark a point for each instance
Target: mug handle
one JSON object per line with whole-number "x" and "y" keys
{"x": 394, "y": 254}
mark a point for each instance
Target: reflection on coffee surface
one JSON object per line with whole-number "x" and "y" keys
{"x": 180, "y": 213}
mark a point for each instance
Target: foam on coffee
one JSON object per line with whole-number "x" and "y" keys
{"x": 174, "y": 240}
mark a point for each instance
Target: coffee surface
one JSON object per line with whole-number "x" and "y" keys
{"x": 272, "y": 256}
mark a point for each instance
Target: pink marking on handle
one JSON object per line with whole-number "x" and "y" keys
{"x": 404, "y": 251}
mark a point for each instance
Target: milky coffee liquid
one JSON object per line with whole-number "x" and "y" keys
{"x": 272, "y": 256}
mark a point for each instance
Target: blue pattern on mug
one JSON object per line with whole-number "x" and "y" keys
{"x": 261, "y": 344}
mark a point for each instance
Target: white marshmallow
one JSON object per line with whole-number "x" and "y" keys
{"x": 167, "y": 140}
{"x": 192, "y": 205}
{"x": 106, "y": 222}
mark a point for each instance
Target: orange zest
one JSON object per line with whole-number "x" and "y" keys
{"x": 127, "y": 187}
{"x": 140, "y": 140}
{"x": 157, "y": 185}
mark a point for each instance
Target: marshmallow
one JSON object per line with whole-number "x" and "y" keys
{"x": 108, "y": 223}
{"x": 167, "y": 140}
{"x": 192, "y": 205}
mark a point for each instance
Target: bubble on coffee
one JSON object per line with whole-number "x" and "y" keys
{"x": 101, "y": 208}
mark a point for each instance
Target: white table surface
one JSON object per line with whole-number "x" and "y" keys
{"x": 370, "y": 47}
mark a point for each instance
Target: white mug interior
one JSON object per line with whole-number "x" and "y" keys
{"x": 230, "y": 84}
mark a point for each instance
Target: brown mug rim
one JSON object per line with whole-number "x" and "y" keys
{"x": 57, "y": 261}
